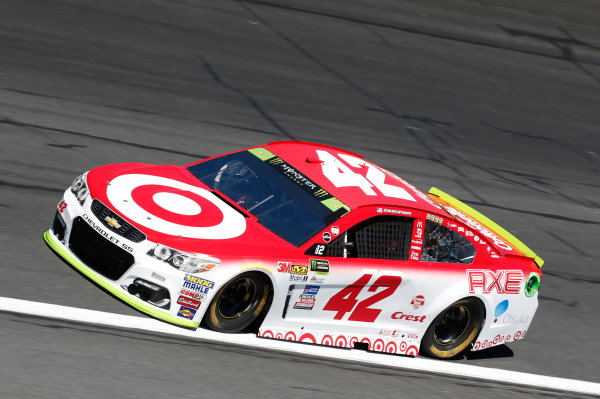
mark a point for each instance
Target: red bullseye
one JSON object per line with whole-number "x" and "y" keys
{"x": 209, "y": 214}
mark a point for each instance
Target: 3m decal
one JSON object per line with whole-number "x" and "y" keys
{"x": 501, "y": 281}
{"x": 346, "y": 300}
{"x": 61, "y": 206}
{"x": 298, "y": 269}
{"x": 189, "y": 302}
{"x": 340, "y": 175}
{"x": 284, "y": 267}
{"x": 173, "y": 207}
{"x": 408, "y": 317}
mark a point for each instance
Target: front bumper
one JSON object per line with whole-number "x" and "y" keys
{"x": 132, "y": 269}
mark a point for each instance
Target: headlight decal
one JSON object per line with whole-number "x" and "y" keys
{"x": 188, "y": 263}
{"x": 79, "y": 188}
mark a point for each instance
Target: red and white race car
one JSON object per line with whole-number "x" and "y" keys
{"x": 303, "y": 242}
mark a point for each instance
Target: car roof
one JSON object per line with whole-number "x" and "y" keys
{"x": 350, "y": 178}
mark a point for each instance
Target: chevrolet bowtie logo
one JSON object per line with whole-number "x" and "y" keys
{"x": 112, "y": 222}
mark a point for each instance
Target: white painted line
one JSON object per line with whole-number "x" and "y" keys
{"x": 407, "y": 363}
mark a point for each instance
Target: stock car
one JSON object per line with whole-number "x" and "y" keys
{"x": 303, "y": 242}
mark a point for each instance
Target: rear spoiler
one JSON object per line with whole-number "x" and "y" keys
{"x": 444, "y": 199}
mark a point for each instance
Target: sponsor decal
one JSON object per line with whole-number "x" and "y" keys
{"x": 316, "y": 280}
{"x": 498, "y": 339}
{"x": 61, "y": 206}
{"x": 306, "y": 301}
{"x": 408, "y": 317}
{"x": 188, "y": 302}
{"x": 435, "y": 218}
{"x": 477, "y": 226}
{"x": 417, "y": 241}
{"x": 395, "y": 333}
{"x": 419, "y": 230}
{"x": 319, "y": 266}
{"x": 197, "y": 284}
{"x": 191, "y": 294}
{"x": 299, "y": 269}
{"x": 500, "y": 309}
{"x": 311, "y": 290}
{"x": 304, "y": 305}
{"x": 173, "y": 207}
{"x": 158, "y": 277}
{"x": 417, "y": 301}
{"x": 105, "y": 234}
{"x": 326, "y": 236}
{"x": 515, "y": 319}
{"x": 186, "y": 313}
{"x": 258, "y": 265}
{"x": 284, "y": 267}
{"x": 501, "y": 281}
{"x": 394, "y": 211}
{"x": 298, "y": 278}
{"x": 335, "y": 230}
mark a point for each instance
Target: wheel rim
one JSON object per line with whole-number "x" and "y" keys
{"x": 237, "y": 299}
{"x": 452, "y": 325}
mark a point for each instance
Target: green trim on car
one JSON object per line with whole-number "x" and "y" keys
{"x": 49, "y": 238}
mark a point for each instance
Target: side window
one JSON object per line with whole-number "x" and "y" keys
{"x": 380, "y": 237}
{"x": 440, "y": 244}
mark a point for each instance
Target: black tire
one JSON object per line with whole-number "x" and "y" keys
{"x": 454, "y": 329}
{"x": 239, "y": 303}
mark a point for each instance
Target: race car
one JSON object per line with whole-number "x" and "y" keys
{"x": 303, "y": 242}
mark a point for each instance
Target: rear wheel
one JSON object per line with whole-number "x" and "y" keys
{"x": 454, "y": 329}
{"x": 239, "y": 303}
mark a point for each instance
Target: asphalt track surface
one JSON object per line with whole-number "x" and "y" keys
{"x": 495, "y": 102}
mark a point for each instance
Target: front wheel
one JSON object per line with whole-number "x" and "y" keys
{"x": 454, "y": 329}
{"x": 239, "y": 303}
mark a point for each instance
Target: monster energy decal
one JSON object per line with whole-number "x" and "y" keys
{"x": 299, "y": 178}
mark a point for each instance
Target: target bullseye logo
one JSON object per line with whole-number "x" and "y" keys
{"x": 173, "y": 207}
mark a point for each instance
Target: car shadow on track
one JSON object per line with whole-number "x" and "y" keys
{"x": 495, "y": 352}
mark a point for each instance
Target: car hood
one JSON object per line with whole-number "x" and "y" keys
{"x": 173, "y": 208}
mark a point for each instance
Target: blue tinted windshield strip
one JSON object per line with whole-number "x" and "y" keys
{"x": 282, "y": 198}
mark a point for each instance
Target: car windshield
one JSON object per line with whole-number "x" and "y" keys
{"x": 282, "y": 198}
